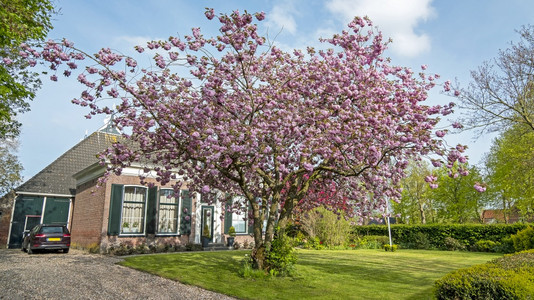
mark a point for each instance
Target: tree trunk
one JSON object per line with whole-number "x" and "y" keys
{"x": 422, "y": 212}
{"x": 504, "y": 210}
{"x": 259, "y": 255}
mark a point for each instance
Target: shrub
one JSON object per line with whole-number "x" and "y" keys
{"x": 391, "y": 248}
{"x": 281, "y": 258}
{"x": 523, "y": 259}
{"x": 506, "y": 245}
{"x": 417, "y": 240}
{"x": 409, "y": 236}
{"x": 314, "y": 243}
{"x": 453, "y": 244}
{"x": 373, "y": 242}
{"x": 330, "y": 228}
{"x": 524, "y": 239}
{"x": 231, "y": 231}
{"x": 142, "y": 249}
{"x": 486, "y": 246}
{"x": 510, "y": 277}
{"x": 193, "y": 247}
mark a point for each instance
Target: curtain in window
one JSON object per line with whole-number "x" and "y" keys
{"x": 168, "y": 212}
{"x": 133, "y": 210}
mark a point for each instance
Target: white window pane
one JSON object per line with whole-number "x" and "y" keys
{"x": 133, "y": 217}
{"x": 168, "y": 219}
{"x": 167, "y": 196}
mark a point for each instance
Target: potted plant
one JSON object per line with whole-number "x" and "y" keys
{"x": 231, "y": 233}
{"x": 135, "y": 227}
{"x": 206, "y": 236}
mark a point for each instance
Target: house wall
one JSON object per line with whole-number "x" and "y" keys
{"x": 87, "y": 216}
{"x": 91, "y": 216}
{"x": 5, "y": 219}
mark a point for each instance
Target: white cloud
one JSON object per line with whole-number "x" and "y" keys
{"x": 281, "y": 18}
{"x": 396, "y": 19}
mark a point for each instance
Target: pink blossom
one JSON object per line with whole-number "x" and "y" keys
{"x": 457, "y": 125}
{"x": 139, "y": 49}
{"x": 323, "y": 130}
{"x": 430, "y": 178}
{"x": 260, "y": 16}
{"x": 480, "y": 188}
{"x": 209, "y": 13}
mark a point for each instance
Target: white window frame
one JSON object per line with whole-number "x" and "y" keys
{"x": 178, "y": 214}
{"x": 122, "y": 233}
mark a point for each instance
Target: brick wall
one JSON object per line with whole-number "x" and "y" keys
{"x": 91, "y": 217}
{"x": 87, "y": 216}
{"x": 6, "y": 207}
{"x": 4, "y": 227}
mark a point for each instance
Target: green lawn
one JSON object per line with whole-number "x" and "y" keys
{"x": 350, "y": 274}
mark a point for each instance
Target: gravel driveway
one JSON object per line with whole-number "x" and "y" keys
{"x": 78, "y": 275}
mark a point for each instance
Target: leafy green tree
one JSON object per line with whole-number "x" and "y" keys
{"x": 10, "y": 168}
{"x": 21, "y": 21}
{"x": 415, "y": 205}
{"x": 455, "y": 200}
{"x": 510, "y": 165}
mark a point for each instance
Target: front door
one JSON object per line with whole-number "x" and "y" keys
{"x": 207, "y": 222}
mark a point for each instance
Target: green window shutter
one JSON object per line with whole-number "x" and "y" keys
{"x": 185, "y": 213}
{"x": 115, "y": 207}
{"x": 227, "y": 215}
{"x": 151, "y": 213}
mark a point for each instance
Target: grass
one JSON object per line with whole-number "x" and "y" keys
{"x": 347, "y": 274}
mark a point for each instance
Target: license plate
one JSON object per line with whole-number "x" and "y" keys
{"x": 54, "y": 239}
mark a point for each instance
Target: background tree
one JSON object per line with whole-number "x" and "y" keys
{"x": 10, "y": 168}
{"x": 20, "y": 21}
{"x": 510, "y": 165}
{"x": 455, "y": 200}
{"x": 262, "y": 123}
{"x": 415, "y": 204}
{"x": 502, "y": 90}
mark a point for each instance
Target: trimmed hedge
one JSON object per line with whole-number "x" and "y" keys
{"x": 434, "y": 236}
{"x": 509, "y": 277}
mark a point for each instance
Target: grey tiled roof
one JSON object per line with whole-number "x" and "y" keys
{"x": 57, "y": 178}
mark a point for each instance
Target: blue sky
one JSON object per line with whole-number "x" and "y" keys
{"x": 451, "y": 37}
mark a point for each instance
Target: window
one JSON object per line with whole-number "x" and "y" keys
{"x": 133, "y": 210}
{"x": 168, "y": 208}
{"x": 239, "y": 218}
{"x": 50, "y": 229}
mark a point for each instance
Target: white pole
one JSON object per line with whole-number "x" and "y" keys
{"x": 389, "y": 225}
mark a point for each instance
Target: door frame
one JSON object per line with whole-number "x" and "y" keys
{"x": 211, "y": 209}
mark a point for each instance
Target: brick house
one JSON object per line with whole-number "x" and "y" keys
{"x": 492, "y": 216}
{"x": 119, "y": 211}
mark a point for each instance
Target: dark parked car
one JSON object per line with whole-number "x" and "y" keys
{"x": 46, "y": 237}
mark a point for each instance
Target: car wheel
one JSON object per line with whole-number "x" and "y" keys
{"x": 66, "y": 250}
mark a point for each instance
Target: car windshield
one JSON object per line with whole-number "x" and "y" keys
{"x": 52, "y": 229}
